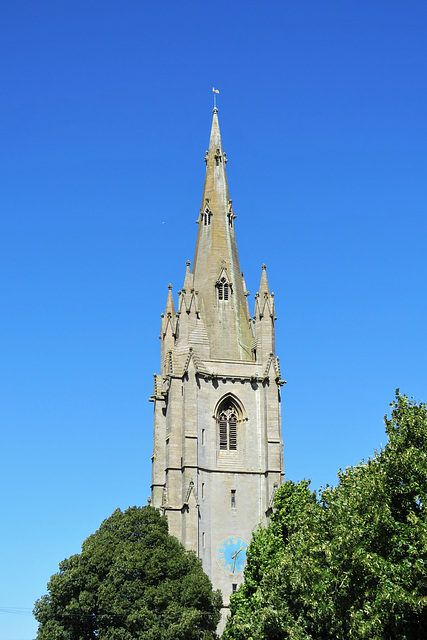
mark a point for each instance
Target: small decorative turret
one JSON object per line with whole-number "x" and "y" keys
{"x": 264, "y": 320}
{"x": 188, "y": 312}
{"x": 188, "y": 280}
{"x": 170, "y": 307}
{"x": 263, "y": 285}
{"x": 168, "y": 329}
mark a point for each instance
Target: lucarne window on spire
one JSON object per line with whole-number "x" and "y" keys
{"x": 223, "y": 289}
{"x": 207, "y": 216}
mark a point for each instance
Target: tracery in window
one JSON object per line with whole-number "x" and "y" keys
{"x": 223, "y": 284}
{"x": 229, "y": 414}
{"x": 223, "y": 289}
{"x": 228, "y": 430}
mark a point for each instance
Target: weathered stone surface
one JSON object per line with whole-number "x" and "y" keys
{"x": 218, "y": 452}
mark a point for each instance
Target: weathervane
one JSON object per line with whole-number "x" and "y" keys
{"x": 215, "y": 91}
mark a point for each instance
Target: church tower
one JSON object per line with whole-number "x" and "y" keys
{"x": 217, "y": 458}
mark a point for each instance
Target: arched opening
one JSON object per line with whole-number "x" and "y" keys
{"x": 229, "y": 414}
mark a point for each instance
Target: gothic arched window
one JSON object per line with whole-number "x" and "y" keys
{"x": 228, "y": 415}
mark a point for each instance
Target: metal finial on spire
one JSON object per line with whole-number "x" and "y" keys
{"x": 215, "y": 91}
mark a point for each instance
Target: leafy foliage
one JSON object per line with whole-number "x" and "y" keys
{"x": 132, "y": 581}
{"x": 352, "y": 564}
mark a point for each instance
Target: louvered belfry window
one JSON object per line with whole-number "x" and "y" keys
{"x": 223, "y": 428}
{"x": 228, "y": 430}
{"x": 232, "y": 432}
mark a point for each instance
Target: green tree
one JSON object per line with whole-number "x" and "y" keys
{"x": 131, "y": 581}
{"x": 352, "y": 564}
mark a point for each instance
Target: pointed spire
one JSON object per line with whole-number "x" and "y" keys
{"x": 263, "y": 286}
{"x": 264, "y": 300}
{"x": 168, "y": 332}
{"x": 168, "y": 317}
{"x": 187, "y": 298}
{"x": 222, "y": 301}
{"x": 215, "y": 138}
{"x": 188, "y": 281}
{"x": 264, "y": 321}
{"x": 216, "y": 188}
{"x": 170, "y": 308}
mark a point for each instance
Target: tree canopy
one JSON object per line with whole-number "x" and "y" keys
{"x": 351, "y": 564}
{"x": 131, "y": 581}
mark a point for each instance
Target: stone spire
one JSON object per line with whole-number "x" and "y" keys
{"x": 217, "y": 274}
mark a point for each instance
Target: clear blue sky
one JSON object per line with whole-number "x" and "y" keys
{"x": 105, "y": 118}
